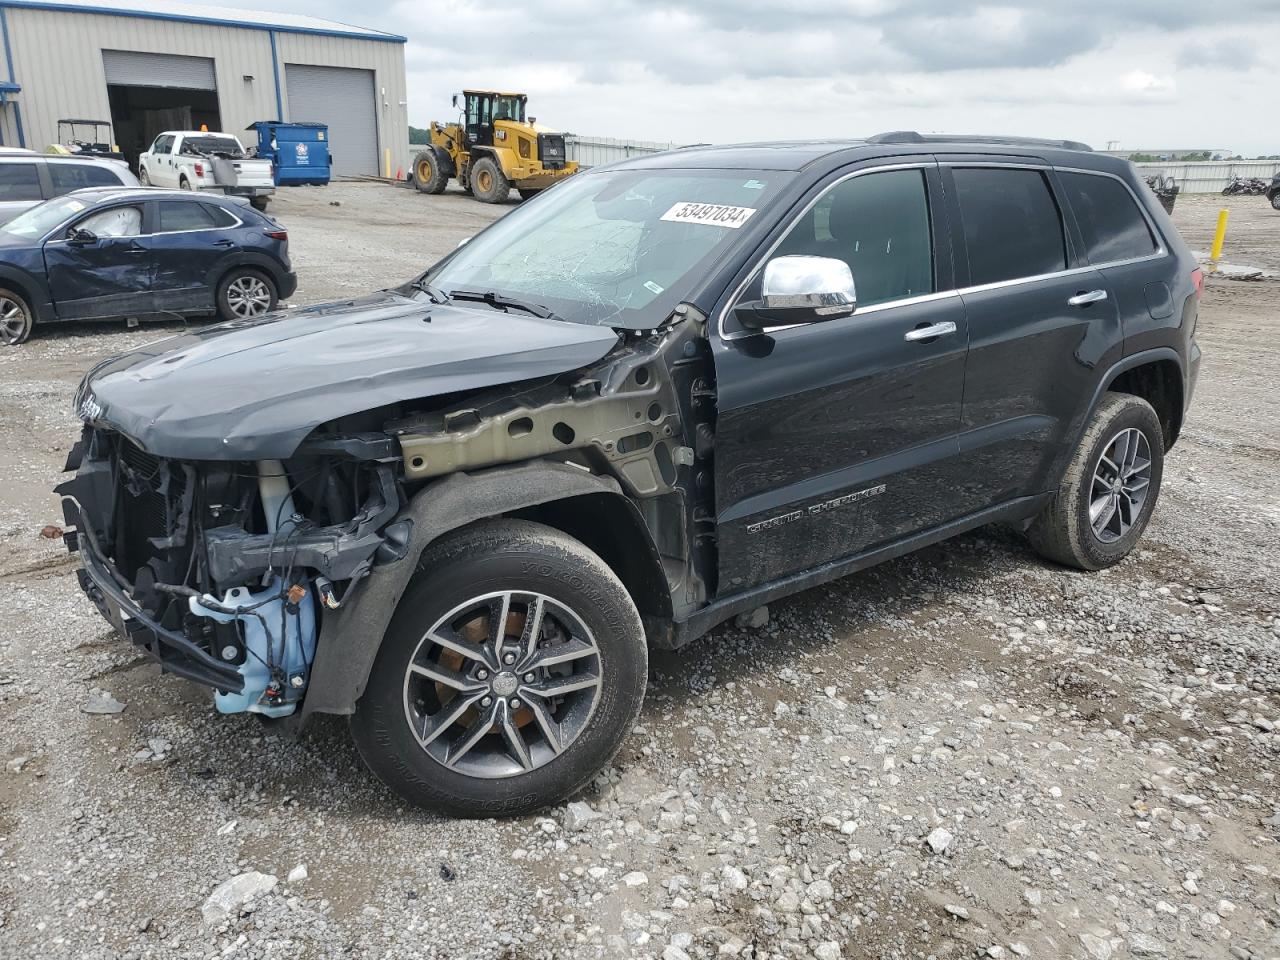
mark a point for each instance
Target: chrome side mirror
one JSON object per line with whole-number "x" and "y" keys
{"x": 800, "y": 290}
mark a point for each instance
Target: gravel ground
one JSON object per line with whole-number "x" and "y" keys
{"x": 961, "y": 753}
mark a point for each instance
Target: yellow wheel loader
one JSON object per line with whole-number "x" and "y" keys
{"x": 492, "y": 148}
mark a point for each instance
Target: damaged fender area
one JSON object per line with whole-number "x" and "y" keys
{"x": 351, "y": 635}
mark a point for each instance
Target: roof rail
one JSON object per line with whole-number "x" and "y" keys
{"x": 911, "y": 136}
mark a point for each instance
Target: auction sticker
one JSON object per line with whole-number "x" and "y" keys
{"x": 709, "y": 214}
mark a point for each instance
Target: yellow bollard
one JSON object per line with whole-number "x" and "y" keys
{"x": 387, "y": 158}
{"x": 1219, "y": 235}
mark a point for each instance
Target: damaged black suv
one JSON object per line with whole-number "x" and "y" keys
{"x": 665, "y": 392}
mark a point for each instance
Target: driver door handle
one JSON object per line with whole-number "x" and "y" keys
{"x": 930, "y": 332}
{"x": 1084, "y": 299}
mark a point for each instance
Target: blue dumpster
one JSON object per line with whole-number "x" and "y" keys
{"x": 299, "y": 152}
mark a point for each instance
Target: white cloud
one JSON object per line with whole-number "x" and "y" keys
{"x": 1148, "y": 73}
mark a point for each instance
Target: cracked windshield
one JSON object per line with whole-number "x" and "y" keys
{"x": 613, "y": 249}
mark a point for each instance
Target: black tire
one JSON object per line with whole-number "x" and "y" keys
{"x": 1064, "y": 531}
{"x": 184, "y": 184}
{"x": 528, "y": 193}
{"x": 427, "y": 175}
{"x": 1275, "y": 200}
{"x": 259, "y": 203}
{"x": 143, "y": 177}
{"x": 16, "y": 318}
{"x": 489, "y": 182}
{"x": 229, "y": 298}
{"x": 488, "y": 557}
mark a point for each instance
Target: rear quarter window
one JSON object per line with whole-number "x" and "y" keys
{"x": 1112, "y": 226}
{"x": 75, "y": 176}
{"x": 1012, "y": 226}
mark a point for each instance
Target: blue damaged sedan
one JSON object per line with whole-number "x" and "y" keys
{"x": 139, "y": 253}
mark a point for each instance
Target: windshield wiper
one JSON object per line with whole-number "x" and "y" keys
{"x": 501, "y": 301}
{"x": 433, "y": 292}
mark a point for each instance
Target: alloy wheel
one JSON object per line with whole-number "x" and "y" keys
{"x": 502, "y": 684}
{"x": 1121, "y": 481}
{"x": 248, "y": 296}
{"x": 13, "y": 321}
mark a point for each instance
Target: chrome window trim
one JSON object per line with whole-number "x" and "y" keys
{"x": 50, "y": 238}
{"x": 764, "y": 258}
{"x": 1160, "y": 251}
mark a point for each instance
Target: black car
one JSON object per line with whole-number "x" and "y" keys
{"x": 463, "y": 510}
{"x": 1273, "y": 192}
{"x": 142, "y": 253}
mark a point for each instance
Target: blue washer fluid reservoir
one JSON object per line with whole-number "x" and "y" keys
{"x": 289, "y": 642}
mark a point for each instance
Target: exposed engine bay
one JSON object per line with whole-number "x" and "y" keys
{"x": 226, "y": 570}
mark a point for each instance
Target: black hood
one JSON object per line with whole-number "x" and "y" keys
{"x": 254, "y": 389}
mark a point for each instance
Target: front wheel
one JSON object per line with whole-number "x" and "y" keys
{"x": 1109, "y": 490}
{"x": 489, "y": 182}
{"x": 511, "y": 672}
{"x": 427, "y": 175}
{"x": 143, "y": 177}
{"x": 1275, "y": 200}
{"x": 245, "y": 293}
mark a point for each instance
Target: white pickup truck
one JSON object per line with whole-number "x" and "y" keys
{"x": 196, "y": 160}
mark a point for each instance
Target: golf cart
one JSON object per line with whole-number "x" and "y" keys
{"x": 70, "y": 144}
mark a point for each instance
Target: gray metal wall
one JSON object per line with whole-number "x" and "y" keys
{"x": 1212, "y": 175}
{"x": 57, "y": 58}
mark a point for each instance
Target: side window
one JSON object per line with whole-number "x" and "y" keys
{"x": 74, "y": 176}
{"x": 185, "y": 215}
{"x": 1112, "y": 225}
{"x": 116, "y": 222}
{"x": 19, "y": 181}
{"x": 878, "y": 223}
{"x": 1012, "y": 227}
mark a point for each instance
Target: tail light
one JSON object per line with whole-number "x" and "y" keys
{"x": 1197, "y": 278}
{"x": 278, "y": 234}
{"x": 199, "y": 169}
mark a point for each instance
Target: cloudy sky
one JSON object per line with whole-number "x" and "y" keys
{"x": 1145, "y": 73}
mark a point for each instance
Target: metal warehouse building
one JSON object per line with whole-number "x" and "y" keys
{"x": 153, "y": 65}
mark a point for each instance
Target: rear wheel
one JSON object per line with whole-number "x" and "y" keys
{"x": 245, "y": 293}
{"x": 489, "y": 182}
{"x": 528, "y": 193}
{"x": 16, "y": 318}
{"x": 1275, "y": 200}
{"x": 510, "y": 675}
{"x": 184, "y": 184}
{"x": 259, "y": 203}
{"x": 427, "y": 175}
{"x": 1109, "y": 490}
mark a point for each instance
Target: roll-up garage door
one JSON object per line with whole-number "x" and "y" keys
{"x": 129, "y": 69}
{"x": 344, "y": 99}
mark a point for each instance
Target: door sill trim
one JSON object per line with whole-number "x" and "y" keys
{"x": 703, "y": 620}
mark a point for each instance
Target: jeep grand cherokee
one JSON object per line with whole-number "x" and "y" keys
{"x": 662, "y": 393}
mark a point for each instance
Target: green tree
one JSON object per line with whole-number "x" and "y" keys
{"x": 419, "y": 134}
